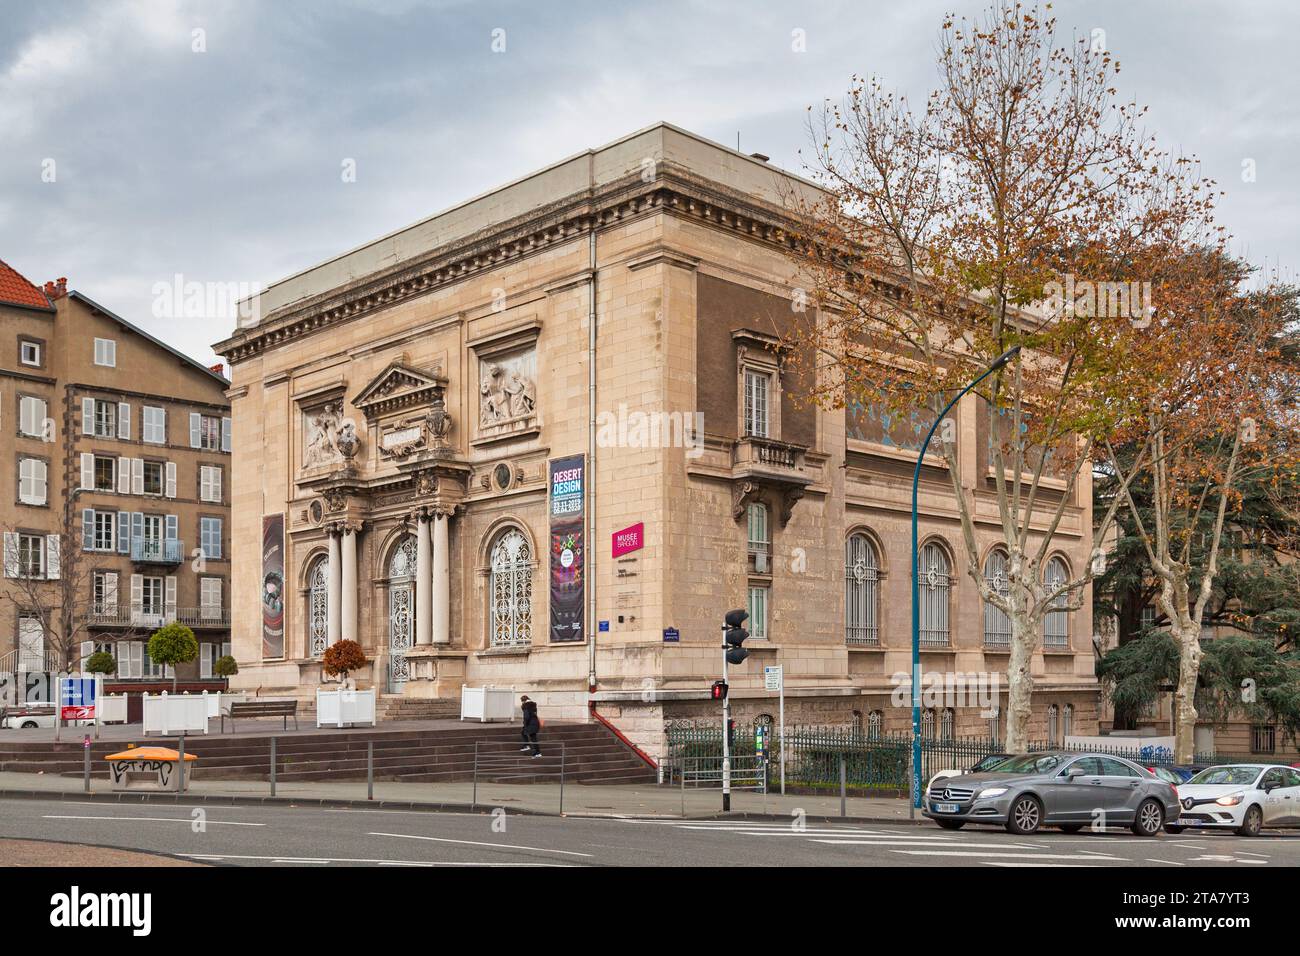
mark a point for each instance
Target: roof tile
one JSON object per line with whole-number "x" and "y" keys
{"x": 16, "y": 290}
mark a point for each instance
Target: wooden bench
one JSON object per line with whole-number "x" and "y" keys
{"x": 261, "y": 708}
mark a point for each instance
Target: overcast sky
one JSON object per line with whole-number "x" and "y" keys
{"x": 224, "y": 166}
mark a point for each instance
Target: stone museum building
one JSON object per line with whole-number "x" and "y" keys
{"x": 117, "y": 511}
{"x": 546, "y": 438}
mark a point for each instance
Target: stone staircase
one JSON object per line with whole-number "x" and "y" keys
{"x": 397, "y": 707}
{"x": 591, "y": 754}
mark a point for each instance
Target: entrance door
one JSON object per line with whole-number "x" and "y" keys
{"x": 401, "y": 612}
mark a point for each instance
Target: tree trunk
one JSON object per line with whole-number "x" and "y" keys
{"x": 1188, "y": 635}
{"x": 1020, "y": 684}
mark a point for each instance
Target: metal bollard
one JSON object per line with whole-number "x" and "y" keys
{"x": 843, "y": 777}
{"x": 86, "y": 762}
{"x": 180, "y": 750}
{"x": 273, "y": 766}
{"x": 370, "y": 770}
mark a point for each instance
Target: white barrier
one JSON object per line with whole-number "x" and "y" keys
{"x": 112, "y": 709}
{"x": 179, "y": 713}
{"x": 219, "y": 703}
{"x": 345, "y": 708}
{"x": 487, "y": 703}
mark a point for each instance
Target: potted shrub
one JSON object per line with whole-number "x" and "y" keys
{"x": 173, "y": 644}
{"x": 101, "y": 662}
{"x": 225, "y": 667}
{"x": 342, "y": 657}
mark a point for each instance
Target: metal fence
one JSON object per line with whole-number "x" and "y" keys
{"x": 874, "y": 762}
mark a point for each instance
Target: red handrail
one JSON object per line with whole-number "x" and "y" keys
{"x": 621, "y": 736}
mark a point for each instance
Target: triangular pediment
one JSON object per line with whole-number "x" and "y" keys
{"x": 400, "y": 386}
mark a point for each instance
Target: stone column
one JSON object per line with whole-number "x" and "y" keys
{"x": 349, "y": 602}
{"x": 334, "y": 607}
{"x": 441, "y": 580}
{"x": 423, "y": 583}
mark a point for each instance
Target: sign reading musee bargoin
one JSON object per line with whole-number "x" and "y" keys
{"x": 568, "y": 497}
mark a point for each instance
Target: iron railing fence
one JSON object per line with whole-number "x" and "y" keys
{"x": 872, "y": 761}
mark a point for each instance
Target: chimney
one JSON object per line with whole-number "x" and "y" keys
{"x": 219, "y": 368}
{"x": 760, "y": 157}
{"x": 57, "y": 289}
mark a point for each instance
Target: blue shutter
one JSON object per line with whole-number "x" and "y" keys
{"x": 137, "y": 524}
{"x": 87, "y": 529}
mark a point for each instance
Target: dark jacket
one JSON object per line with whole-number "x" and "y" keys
{"x": 531, "y": 724}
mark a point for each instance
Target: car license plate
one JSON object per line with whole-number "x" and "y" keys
{"x": 945, "y": 808}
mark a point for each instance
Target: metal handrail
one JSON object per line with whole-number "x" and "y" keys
{"x": 508, "y": 759}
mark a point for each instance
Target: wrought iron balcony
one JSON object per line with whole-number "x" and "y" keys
{"x": 198, "y": 618}
{"x": 155, "y": 551}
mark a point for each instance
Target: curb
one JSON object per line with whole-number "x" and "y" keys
{"x": 231, "y": 800}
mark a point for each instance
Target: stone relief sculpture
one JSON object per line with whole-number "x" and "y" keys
{"x": 508, "y": 389}
{"x": 437, "y": 421}
{"x": 348, "y": 442}
{"x": 321, "y": 436}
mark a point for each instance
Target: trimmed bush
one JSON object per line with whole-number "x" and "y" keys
{"x": 173, "y": 644}
{"x": 342, "y": 657}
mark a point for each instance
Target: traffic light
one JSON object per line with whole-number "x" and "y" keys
{"x": 735, "y": 635}
{"x": 719, "y": 691}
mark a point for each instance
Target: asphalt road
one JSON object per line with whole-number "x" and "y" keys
{"x": 314, "y": 836}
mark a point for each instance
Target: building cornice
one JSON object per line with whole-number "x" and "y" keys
{"x": 675, "y": 191}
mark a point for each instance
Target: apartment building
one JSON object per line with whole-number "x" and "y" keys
{"x": 118, "y": 515}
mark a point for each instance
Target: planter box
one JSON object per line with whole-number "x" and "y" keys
{"x": 487, "y": 703}
{"x": 112, "y": 709}
{"x": 182, "y": 713}
{"x": 219, "y": 703}
{"x": 345, "y": 708}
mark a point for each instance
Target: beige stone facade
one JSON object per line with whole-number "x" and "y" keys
{"x": 458, "y": 352}
{"x": 131, "y": 489}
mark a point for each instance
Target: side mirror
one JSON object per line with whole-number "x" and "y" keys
{"x": 1075, "y": 772}
{"x": 1271, "y": 785}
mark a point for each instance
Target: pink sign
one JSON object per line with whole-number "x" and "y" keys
{"x": 629, "y": 539}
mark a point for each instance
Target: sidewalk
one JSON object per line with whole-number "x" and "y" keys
{"x": 578, "y": 799}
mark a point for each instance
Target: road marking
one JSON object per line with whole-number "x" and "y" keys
{"x": 1002, "y": 863}
{"x": 904, "y": 841}
{"x": 234, "y": 856}
{"x": 210, "y": 823}
{"x": 1020, "y": 856}
{"x": 1151, "y": 859}
{"x": 494, "y": 846}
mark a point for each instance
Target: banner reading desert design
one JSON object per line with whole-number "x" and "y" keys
{"x": 273, "y": 587}
{"x": 568, "y": 550}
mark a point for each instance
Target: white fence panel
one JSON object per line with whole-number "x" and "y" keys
{"x": 179, "y": 713}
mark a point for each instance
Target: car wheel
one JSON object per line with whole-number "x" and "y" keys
{"x": 1148, "y": 820}
{"x": 30, "y": 725}
{"x": 1026, "y": 815}
{"x": 1173, "y": 828}
{"x": 1071, "y": 827}
{"x": 1251, "y": 824}
{"x": 951, "y": 824}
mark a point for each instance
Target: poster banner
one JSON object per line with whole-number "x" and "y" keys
{"x": 568, "y": 550}
{"x": 272, "y": 587}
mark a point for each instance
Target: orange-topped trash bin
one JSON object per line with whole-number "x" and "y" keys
{"x": 149, "y": 768}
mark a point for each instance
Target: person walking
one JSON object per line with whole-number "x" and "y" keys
{"x": 532, "y": 725}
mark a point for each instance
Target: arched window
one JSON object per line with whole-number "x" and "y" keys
{"x": 318, "y": 606}
{"x": 861, "y": 591}
{"x": 927, "y": 724}
{"x": 1056, "y": 624}
{"x": 947, "y": 723}
{"x": 995, "y": 731}
{"x": 401, "y": 610}
{"x": 934, "y": 596}
{"x": 875, "y": 724}
{"x": 511, "y": 590}
{"x": 1067, "y": 721}
{"x": 1053, "y": 725}
{"x": 997, "y": 626}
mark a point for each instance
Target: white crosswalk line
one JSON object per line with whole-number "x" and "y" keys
{"x": 1020, "y": 856}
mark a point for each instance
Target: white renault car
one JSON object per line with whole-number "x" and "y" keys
{"x": 1243, "y": 797}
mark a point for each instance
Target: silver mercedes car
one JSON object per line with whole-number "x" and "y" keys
{"x": 1066, "y": 790}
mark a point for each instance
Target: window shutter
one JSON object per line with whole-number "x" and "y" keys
{"x": 172, "y": 527}
{"x": 52, "y": 569}
{"x": 171, "y": 479}
{"x": 205, "y": 661}
{"x": 40, "y": 480}
{"x": 137, "y": 476}
{"x": 110, "y": 592}
{"x": 225, "y": 434}
{"x": 137, "y": 596}
{"x": 124, "y": 420}
{"x": 87, "y": 416}
{"x": 87, "y": 471}
{"x": 169, "y": 597}
{"x": 216, "y": 485}
{"x": 137, "y": 524}
{"x": 195, "y": 425}
{"x": 124, "y": 532}
{"x": 162, "y": 426}
{"x": 124, "y": 476}
{"x": 87, "y": 648}
{"x": 11, "y": 554}
{"x": 87, "y": 529}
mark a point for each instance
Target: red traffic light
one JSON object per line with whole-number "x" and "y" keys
{"x": 719, "y": 690}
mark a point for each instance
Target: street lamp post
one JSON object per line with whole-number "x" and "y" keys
{"x": 998, "y": 363}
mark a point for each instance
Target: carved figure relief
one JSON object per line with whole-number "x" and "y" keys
{"x": 321, "y": 435}
{"x": 508, "y": 388}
